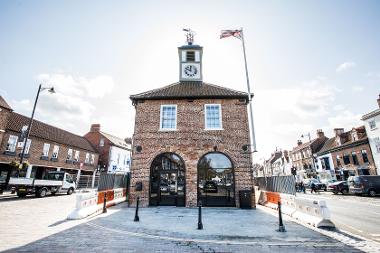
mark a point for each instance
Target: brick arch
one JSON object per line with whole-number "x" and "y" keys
{"x": 164, "y": 150}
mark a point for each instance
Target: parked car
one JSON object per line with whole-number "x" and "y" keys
{"x": 365, "y": 185}
{"x": 340, "y": 186}
{"x": 318, "y": 185}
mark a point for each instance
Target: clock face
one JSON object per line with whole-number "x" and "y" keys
{"x": 190, "y": 70}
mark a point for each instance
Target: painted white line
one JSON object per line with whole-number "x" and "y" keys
{"x": 375, "y": 235}
{"x": 360, "y": 231}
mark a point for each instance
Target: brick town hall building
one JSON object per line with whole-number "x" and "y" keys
{"x": 190, "y": 141}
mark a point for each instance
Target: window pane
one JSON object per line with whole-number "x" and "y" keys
{"x": 168, "y": 117}
{"x": 213, "y": 117}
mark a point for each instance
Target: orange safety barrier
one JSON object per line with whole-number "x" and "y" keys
{"x": 273, "y": 197}
{"x": 110, "y": 196}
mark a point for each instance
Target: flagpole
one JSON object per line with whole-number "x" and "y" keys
{"x": 250, "y": 97}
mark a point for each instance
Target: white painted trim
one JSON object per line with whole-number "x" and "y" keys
{"x": 161, "y": 111}
{"x": 220, "y": 117}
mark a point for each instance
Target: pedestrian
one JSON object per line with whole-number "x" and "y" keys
{"x": 313, "y": 187}
{"x": 302, "y": 187}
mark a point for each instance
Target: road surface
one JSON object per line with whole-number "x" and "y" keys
{"x": 356, "y": 214}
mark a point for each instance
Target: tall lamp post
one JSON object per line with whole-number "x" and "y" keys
{"x": 40, "y": 88}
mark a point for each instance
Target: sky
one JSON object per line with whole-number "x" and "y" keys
{"x": 312, "y": 64}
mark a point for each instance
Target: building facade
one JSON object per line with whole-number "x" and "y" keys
{"x": 48, "y": 148}
{"x": 303, "y": 158}
{"x": 114, "y": 152}
{"x": 347, "y": 154}
{"x": 372, "y": 126}
{"x": 191, "y": 141}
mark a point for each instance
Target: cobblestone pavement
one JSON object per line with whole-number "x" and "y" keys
{"x": 170, "y": 229}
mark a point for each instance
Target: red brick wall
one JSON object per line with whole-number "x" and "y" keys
{"x": 359, "y": 156}
{"x": 190, "y": 142}
{"x": 4, "y": 115}
{"x": 94, "y": 139}
{"x": 35, "y": 153}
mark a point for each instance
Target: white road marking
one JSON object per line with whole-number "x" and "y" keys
{"x": 361, "y": 231}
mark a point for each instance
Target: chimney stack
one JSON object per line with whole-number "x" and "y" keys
{"x": 338, "y": 131}
{"x": 378, "y": 101}
{"x": 95, "y": 128}
{"x": 320, "y": 133}
{"x": 299, "y": 142}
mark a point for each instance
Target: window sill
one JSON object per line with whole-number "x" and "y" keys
{"x": 213, "y": 129}
{"x": 10, "y": 153}
{"x": 25, "y": 155}
{"x": 46, "y": 158}
{"x": 69, "y": 161}
{"x": 54, "y": 159}
{"x": 167, "y": 130}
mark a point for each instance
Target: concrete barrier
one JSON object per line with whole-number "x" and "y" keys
{"x": 288, "y": 204}
{"x": 313, "y": 212}
{"x": 86, "y": 204}
{"x": 92, "y": 202}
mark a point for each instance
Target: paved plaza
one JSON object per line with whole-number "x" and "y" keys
{"x": 161, "y": 229}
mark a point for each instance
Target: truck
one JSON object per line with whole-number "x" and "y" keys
{"x": 54, "y": 182}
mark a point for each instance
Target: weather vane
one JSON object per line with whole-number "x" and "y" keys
{"x": 189, "y": 35}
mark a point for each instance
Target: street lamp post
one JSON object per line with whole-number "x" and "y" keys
{"x": 40, "y": 88}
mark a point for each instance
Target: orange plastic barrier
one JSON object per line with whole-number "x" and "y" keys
{"x": 273, "y": 197}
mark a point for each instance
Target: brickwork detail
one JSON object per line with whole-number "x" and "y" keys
{"x": 190, "y": 141}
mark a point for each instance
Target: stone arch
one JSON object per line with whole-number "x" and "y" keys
{"x": 216, "y": 179}
{"x": 167, "y": 184}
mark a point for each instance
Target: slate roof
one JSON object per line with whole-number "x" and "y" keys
{"x": 331, "y": 145}
{"x": 189, "y": 90}
{"x": 4, "y": 104}
{"x": 116, "y": 140}
{"x": 48, "y": 132}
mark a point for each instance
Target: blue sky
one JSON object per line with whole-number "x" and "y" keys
{"x": 313, "y": 64}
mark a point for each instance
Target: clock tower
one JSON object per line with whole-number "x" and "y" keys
{"x": 190, "y": 59}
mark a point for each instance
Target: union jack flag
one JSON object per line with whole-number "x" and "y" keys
{"x": 228, "y": 33}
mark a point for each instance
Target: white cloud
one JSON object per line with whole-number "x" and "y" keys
{"x": 344, "y": 66}
{"x": 73, "y": 105}
{"x": 357, "y": 88}
{"x": 283, "y": 115}
{"x": 345, "y": 119}
{"x": 339, "y": 107}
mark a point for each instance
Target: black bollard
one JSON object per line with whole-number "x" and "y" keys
{"x": 200, "y": 225}
{"x": 104, "y": 203}
{"x": 281, "y": 227}
{"x": 137, "y": 210}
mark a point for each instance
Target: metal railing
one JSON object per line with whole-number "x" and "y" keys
{"x": 281, "y": 184}
{"x": 112, "y": 181}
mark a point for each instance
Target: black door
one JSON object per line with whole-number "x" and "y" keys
{"x": 167, "y": 181}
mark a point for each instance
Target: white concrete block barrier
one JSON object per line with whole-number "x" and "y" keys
{"x": 313, "y": 212}
{"x": 92, "y": 202}
{"x": 288, "y": 204}
{"x": 86, "y": 204}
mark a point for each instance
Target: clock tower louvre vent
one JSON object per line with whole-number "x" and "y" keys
{"x": 190, "y": 56}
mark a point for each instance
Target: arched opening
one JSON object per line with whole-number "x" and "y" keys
{"x": 167, "y": 181}
{"x": 216, "y": 183}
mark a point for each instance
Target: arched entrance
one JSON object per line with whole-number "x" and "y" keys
{"x": 167, "y": 181}
{"x": 216, "y": 183}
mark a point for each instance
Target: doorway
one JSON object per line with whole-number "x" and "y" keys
{"x": 167, "y": 181}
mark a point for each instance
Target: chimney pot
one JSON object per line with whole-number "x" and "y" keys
{"x": 320, "y": 133}
{"x": 95, "y": 128}
{"x": 378, "y": 101}
{"x": 338, "y": 131}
